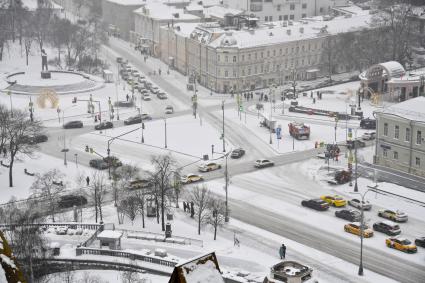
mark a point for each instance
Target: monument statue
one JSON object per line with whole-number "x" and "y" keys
{"x": 43, "y": 60}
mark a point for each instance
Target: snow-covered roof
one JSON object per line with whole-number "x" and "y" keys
{"x": 275, "y": 33}
{"x": 110, "y": 234}
{"x": 184, "y": 29}
{"x": 127, "y": 2}
{"x": 160, "y": 11}
{"x": 351, "y": 10}
{"x": 220, "y": 12}
{"x": 395, "y": 69}
{"x": 412, "y": 109}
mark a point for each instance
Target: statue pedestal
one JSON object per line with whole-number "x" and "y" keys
{"x": 46, "y": 75}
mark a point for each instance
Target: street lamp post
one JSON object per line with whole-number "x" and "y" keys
{"x": 143, "y": 137}
{"x": 222, "y": 135}
{"x": 226, "y": 182}
{"x": 165, "y": 132}
{"x": 356, "y": 189}
{"x": 76, "y": 159}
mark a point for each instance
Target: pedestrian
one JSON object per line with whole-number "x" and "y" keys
{"x": 235, "y": 241}
{"x": 314, "y": 100}
{"x": 4, "y": 152}
{"x": 159, "y": 71}
{"x": 95, "y": 118}
{"x": 244, "y": 95}
{"x": 311, "y": 94}
{"x": 184, "y": 206}
{"x": 266, "y": 98}
{"x": 192, "y": 209}
{"x": 88, "y": 181}
{"x": 127, "y": 97}
{"x": 261, "y": 96}
{"x": 283, "y": 247}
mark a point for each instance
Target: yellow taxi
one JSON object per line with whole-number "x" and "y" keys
{"x": 401, "y": 244}
{"x": 354, "y": 228}
{"x": 334, "y": 200}
{"x": 191, "y": 178}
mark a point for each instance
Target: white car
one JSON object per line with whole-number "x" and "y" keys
{"x": 394, "y": 215}
{"x": 210, "y": 166}
{"x": 169, "y": 109}
{"x": 261, "y": 163}
{"x": 146, "y": 96}
{"x": 369, "y": 136}
{"x": 61, "y": 230}
{"x": 190, "y": 178}
{"x": 358, "y": 204}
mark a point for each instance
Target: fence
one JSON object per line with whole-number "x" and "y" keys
{"x": 93, "y": 237}
{"x": 72, "y": 225}
{"x": 115, "y": 253}
{"x": 161, "y": 237}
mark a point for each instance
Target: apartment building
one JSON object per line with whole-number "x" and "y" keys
{"x": 284, "y": 10}
{"x": 400, "y": 142}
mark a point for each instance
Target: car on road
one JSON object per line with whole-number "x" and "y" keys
{"x": 125, "y": 76}
{"x": 161, "y": 95}
{"x": 369, "y": 136}
{"x": 262, "y": 163}
{"x": 209, "y": 166}
{"x": 154, "y": 89}
{"x": 191, "y": 178}
{"x": 137, "y": 119}
{"x": 68, "y": 201}
{"x": 34, "y": 139}
{"x": 316, "y": 204}
{"x": 98, "y": 163}
{"x": 348, "y": 214}
{"x": 354, "y": 228}
{"x": 401, "y": 244}
{"x": 335, "y": 200}
{"x": 387, "y": 227}
{"x": 139, "y": 184}
{"x": 146, "y": 96}
{"x": 169, "y": 109}
{"x": 358, "y": 204}
{"x": 237, "y": 153}
{"x": 104, "y": 125}
{"x": 113, "y": 161}
{"x": 73, "y": 125}
{"x": 353, "y": 144}
{"x": 420, "y": 242}
{"x": 393, "y": 215}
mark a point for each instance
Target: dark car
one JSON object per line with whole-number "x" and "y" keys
{"x": 137, "y": 119}
{"x": 114, "y": 161}
{"x": 71, "y": 200}
{"x": 237, "y": 153}
{"x": 387, "y": 227}
{"x": 139, "y": 184}
{"x": 368, "y": 123}
{"x": 98, "y": 164}
{"x": 34, "y": 139}
{"x": 316, "y": 204}
{"x": 348, "y": 214}
{"x": 420, "y": 242}
{"x": 161, "y": 95}
{"x": 73, "y": 125}
{"x": 104, "y": 125}
{"x": 352, "y": 144}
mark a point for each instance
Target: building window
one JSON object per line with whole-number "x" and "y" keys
{"x": 274, "y": 53}
{"x": 304, "y": 6}
{"x": 271, "y": 18}
{"x": 255, "y": 56}
{"x": 278, "y": 8}
{"x": 243, "y": 58}
{"x": 407, "y": 138}
{"x": 321, "y": 9}
{"x": 385, "y": 129}
{"x": 226, "y": 73}
{"x": 285, "y": 17}
{"x": 249, "y": 57}
{"x": 418, "y": 137}
{"x": 218, "y": 59}
{"x": 234, "y": 73}
{"x": 303, "y": 15}
{"x": 234, "y": 58}
{"x": 385, "y": 152}
{"x": 266, "y": 18}
{"x": 418, "y": 161}
{"x": 226, "y": 58}
{"x": 396, "y": 132}
{"x": 395, "y": 155}
{"x": 291, "y": 17}
{"x": 280, "y": 51}
{"x": 292, "y": 7}
{"x": 280, "y": 17}
{"x": 262, "y": 54}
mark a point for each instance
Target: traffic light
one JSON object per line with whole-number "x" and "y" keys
{"x": 74, "y": 100}
{"x": 143, "y": 126}
{"x": 109, "y": 151}
{"x": 240, "y": 108}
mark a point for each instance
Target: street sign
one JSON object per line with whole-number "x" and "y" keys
{"x": 64, "y": 150}
{"x": 279, "y": 133}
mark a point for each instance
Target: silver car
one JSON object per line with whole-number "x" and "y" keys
{"x": 396, "y": 216}
{"x": 358, "y": 204}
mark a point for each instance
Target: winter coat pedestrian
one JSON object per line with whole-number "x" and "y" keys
{"x": 282, "y": 251}
{"x": 127, "y": 97}
{"x": 192, "y": 209}
{"x": 88, "y": 181}
{"x": 4, "y": 152}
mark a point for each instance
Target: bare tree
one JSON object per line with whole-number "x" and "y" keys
{"x": 164, "y": 168}
{"x": 18, "y": 128}
{"x": 200, "y": 196}
{"x": 328, "y": 57}
{"x": 5, "y": 25}
{"x": 130, "y": 277}
{"x": 130, "y": 207}
{"x": 28, "y": 34}
{"x": 121, "y": 177}
{"x": 42, "y": 25}
{"x": 4, "y": 121}
{"x": 216, "y": 214}
{"x": 47, "y": 186}
{"x": 97, "y": 194}
{"x": 141, "y": 198}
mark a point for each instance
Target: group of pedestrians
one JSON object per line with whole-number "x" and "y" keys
{"x": 189, "y": 207}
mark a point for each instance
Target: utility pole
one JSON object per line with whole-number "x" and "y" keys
{"x": 226, "y": 182}
{"x": 222, "y": 135}
{"x": 165, "y": 129}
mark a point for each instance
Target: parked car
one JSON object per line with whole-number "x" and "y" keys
{"x": 316, "y": 204}
{"x": 262, "y": 163}
{"x": 237, "y": 153}
{"x": 210, "y": 166}
{"x": 154, "y": 89}
{"x": 191, "y": 178}
{"x": 169, "y": 109}
{"x": 358, "y": 204}
{"x": 142, "y": 79}
{"x": 396, "y": 216}
{"x": 73, "y": 125}
{"x": 61, "y": 230}
{"x": 98, "y": 163}
{"x": 420, "y": 242}
{"x": 401, "y": 244}
{"x": 104, "y": 125}
{"x": 352, "y": 144}
{"x": 68, "y": 201}
{"x": 113, "y": 161}
{"x": 146, "y": 96}
{"x": 137, "y": 119}
{"x": 334, "y": 200}
{"x": 369, "y": 136}
{"x": 387, "y": 227}
{"x": 161, "y": 95}
{"x": 139, "y": 184}
{"x": 354, "y": 228}
{"x": 348, "y": 214}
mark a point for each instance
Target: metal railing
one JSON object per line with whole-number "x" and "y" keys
{"x": 71, "y": 225}
{"x": 187, "y": 241}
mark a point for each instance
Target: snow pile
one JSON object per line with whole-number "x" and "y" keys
{"x": 202, "y": 273}
{"x": 5, "y": 259}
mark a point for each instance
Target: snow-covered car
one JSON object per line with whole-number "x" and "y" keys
{"x": 358, "y": 204}
{"x": 237, "y": 153}
{"x": 161, "y": 95}
{"x": 210, "y": 166}
{"x": 169, "y": 109}
{"x": 401, "y": 244}
{"x": 154, "y": 89}
{"x": 61, "y": 230}
{"x": 369, "y": 136}
{"x": 190, "y": 178}
{"x": 261, "y": 163}
{"x": 354, "y": 228}
{"x": 146, "y": 96}
{"x": 396, "y": 216}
